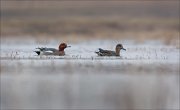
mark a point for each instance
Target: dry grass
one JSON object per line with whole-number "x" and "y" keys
{"x": 77, "y": 21}
{"x": 79, "y": 29}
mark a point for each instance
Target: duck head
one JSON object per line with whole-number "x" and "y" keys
{"x": 118, "y": 48}
{"x": 62, "y": 46}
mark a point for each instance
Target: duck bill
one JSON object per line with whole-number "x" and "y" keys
{"x": 123, "y": 49}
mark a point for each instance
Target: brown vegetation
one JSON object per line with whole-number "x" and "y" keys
{"x": 77, "y": 21}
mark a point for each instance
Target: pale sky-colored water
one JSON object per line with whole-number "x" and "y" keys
{"x": 152, "y": 50}
{"x": 145, "y": 77}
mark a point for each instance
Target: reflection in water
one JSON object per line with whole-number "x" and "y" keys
{"x": 94, "y": 91}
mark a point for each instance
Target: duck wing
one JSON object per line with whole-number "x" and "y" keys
{"x": 44, "y": 49}
{"x": 51, "y": 49}
{"x": 103, "y": 52}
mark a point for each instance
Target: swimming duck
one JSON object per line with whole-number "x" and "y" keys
{"x": 52, "y": 51}
{"x": 102, "y": 52}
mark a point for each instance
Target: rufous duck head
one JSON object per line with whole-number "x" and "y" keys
{"x": 62, "y": 46}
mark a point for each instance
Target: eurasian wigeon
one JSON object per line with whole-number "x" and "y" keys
{"x": 52, "y": 51}
{"x": 102, "y": 52}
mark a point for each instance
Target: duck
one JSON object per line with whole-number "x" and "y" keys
{"x": 52, "y": 51}
{"x": 102, "y": 52}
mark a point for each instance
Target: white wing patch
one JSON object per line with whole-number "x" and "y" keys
{"x": 49, "y": 51}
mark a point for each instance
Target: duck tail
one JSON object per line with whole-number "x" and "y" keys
{"x": 41, "y": 48}
{"x": 38, "y": 52}
{"x": 96, "y": 52}
{"x": 101, "y": 50}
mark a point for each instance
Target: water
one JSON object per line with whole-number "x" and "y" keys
{"x": 144, "y": 77}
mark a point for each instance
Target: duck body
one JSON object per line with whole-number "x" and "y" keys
{"x": 49, "y": 51}
{"x": 103, "y": 52}
{"x": 52, "y": 51}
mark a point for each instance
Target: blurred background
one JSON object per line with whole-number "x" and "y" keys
{"x": 76, "y": 21}
{"x": 145, "y": 76}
